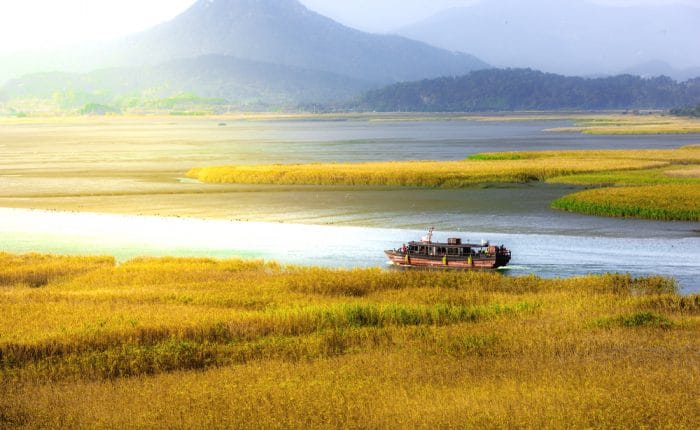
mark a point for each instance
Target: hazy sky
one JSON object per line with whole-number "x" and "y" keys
{"x": 27, "y": 24}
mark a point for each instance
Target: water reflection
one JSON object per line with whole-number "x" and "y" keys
{"x": 547, "y": 255}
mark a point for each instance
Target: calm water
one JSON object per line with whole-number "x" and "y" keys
{"x": 309, "y": 141}
{"x": 345, "y": 227}
{"x": 128, "y": 236}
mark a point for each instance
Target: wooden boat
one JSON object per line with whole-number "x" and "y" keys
{"x": 451, "y": 255}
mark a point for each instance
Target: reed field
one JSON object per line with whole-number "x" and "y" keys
{"x": 660, "y": 202}
{"x": 445, "y": 174}
{"x": 192, "y": 343}
{"x": 669, "y": 176}
{"x": 633, "y": 125}
{"x": 671, "y": 192}
{"x": 135, "y": 165}
{"x": 477, "y": 169}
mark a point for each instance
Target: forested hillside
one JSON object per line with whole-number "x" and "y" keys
{"x": 526, "y": 89}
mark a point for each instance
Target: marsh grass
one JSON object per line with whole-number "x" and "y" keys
{"x": 633, "y": 125}
{"x": 671, "y": 192}
{"x": 37, "y": 270}
{"x": 640, "y": 319}
{"x": 669, "y": 177}
{"x": 659, "y": 202}
{"x": 247, "y": 344}
{"x": 445, "y": 174}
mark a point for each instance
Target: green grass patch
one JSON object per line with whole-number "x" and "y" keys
{"x": 640, "y": 319}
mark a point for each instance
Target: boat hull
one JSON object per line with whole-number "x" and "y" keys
{"x": 464, "y": 263}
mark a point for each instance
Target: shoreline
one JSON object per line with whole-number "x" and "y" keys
{"x": 128, "y": 236}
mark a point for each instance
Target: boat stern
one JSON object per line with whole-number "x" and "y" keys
{"x": 397, "y": 258}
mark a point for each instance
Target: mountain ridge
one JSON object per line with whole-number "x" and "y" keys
{"x": 271, "y": 31}
{"x": 575, "y": 38}
{"x": 527, "y": 89}
{"x": 238, "y": 82}
{"x": 286, "y": 32}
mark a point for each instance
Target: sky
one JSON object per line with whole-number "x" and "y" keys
{"x": 45, "y": 24}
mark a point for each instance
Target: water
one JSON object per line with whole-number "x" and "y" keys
{"x": 359, "y": 141}
{"x": 132, "y": 167}
{"x": 547, "y": 255}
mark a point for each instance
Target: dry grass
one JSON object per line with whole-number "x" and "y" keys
{"x": 671, "y": 172}
{"x": 684, "y": 155}
{"x": 668, "y": 193}
{"x": 36, "y": 270}
{"x": 631, "y": 125}
{"x": 446, "y": 174}
{"x": 691, "y": 172}
{"x": 192, "y": 343}
{"x": 660, "y": 202}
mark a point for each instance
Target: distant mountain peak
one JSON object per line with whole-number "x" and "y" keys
{"x": 287, "y": 33}
{"x": 276, "y": 32}
{"x": 578, "y": 37}
{"x": 248, "y": 5}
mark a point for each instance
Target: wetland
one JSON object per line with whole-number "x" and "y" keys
{"x": 131, "y": 294}
{"x": 137, "y": 166}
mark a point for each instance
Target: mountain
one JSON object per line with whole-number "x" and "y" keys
{"x": 271, "y": 31}
{"x": 286, "y": 32}
{"x": 661, "y": 68}
{"x": 573, "y": 37}
{"x": 526, "y": 89}
{"x": 212, "y": 78}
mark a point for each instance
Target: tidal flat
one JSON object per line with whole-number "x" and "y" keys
{"x": 137, "y": 166}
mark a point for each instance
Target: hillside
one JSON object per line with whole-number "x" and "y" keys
{"x": 213, "y": 79}
{"x": 271, "y": 31}
{"x": 286, "y": 32}
{"x": 249, "y": 53}
{"x": 575, "y": 37}
{"x": 526, "y": 89}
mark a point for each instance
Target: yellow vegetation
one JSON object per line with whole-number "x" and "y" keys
{"x": 648, "y": 124}
{"x": 692, "y": 172}
{"x": 675, "y": 168}
{"x": 662, "y": 202}
{"x": 193, "y": 343}
{"x": 448, "y": 174}
{"x": 670, "y": 193}
{"x": 36, "y": 270}
{"x": 685, "y": 155}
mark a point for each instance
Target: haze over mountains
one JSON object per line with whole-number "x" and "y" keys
{"x": 257, "y": 41}
{"x": 268, "y": 54}
{"x": 285, "y": 32}
{"x": 571, "y": 37}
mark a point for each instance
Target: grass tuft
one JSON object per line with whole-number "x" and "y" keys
{"x": 640, "y": 319}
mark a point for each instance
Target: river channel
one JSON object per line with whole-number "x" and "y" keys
{"x": 547, "y": 255}
{"x": 327, "y": 226}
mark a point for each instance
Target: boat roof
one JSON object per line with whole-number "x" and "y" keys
{"x": 453, "y": 245}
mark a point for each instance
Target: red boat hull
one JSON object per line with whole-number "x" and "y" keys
{"x": 477, "y": 262}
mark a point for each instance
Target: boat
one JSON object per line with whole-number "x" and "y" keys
{"x": 450, "y": 255}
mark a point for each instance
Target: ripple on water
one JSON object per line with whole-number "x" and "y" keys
{"x": 331, "y": 246}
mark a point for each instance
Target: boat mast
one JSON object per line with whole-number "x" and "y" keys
{"x": 429, "y": 237}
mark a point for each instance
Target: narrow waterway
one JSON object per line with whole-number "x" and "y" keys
{"x": 547, "y": 255}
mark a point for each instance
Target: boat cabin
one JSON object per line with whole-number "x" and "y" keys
{"x": 453, "y": 248}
